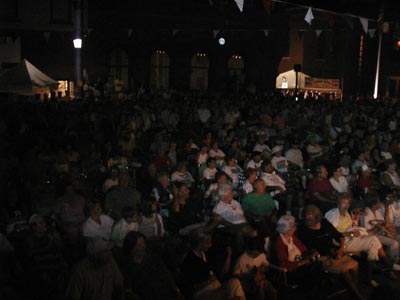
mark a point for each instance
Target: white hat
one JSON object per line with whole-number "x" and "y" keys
{"x": 277, "y": 149}
{"x": 97, "y": 245}
{"x": 364, "y": 167}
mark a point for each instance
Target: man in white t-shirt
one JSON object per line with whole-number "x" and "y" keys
{"x": 256, "y": 161}
{"x": 229, "y": 209}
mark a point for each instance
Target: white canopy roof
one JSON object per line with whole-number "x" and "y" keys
{"x": 287, "y": 80}
{"x": 24, "y": 77}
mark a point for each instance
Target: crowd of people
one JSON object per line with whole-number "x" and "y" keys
{"x": 177, "y": 195}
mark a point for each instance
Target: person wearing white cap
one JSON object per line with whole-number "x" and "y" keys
{"x": 366, "y": 182}
{"x": 279, "y": 161}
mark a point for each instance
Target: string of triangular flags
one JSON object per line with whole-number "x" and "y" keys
{"x": 310, "y": 16}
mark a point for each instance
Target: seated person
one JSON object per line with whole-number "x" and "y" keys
{"x": 97, "y": 225}
{"x": 43, "y": 257}
{"x": 366, "y": 183}
{"x": 112, "y": 181}
{"x": 145, "y": 274}
{"x": 259, "y": 208}
{"x": 233, "y": 170}
{"x": 98, "y": 267}
{"x": 391, "y": 209}
{"x": 121, "y": 196}
{"x": 182, "y": 175}
{"x": 273, "y": 181}
{"x": 338, "y": 181}
{"x": 317, "y": 233}
{"x": 150, "y": 223}
{"x": 255, "y": 161}
{"x": 374, "y": 222}
{"x": 201, "y": 282}
{"x": 288, "y": 252}
{"x": 184, "y": 211}
{"x": 356, "y": 240}
{"x": 251, "y": 176}
{"x": 212, "y": 191}
{"x": 278, "y": 161}
{"x": 210, "y": 171}
{"x": 321, "y": 191}
{"x": 216, "y": 153}
{"x": 390, "y": 178}
{"x": 250, "y": 269}
{"x": 128, "y": 222}
{"x": 163, "y": 193}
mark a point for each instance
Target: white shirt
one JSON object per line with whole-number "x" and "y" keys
{"x": 394, "y": 213}
{"x": 247, "y": 187}
{"x": 202, "y": 159}
{"x": 233, "y": 213}
{"x": 209, "y": 174}
{"x": 121, "y": 229}
{"x": 280, "y": 164}
{"x": 92, "y": 229}
{"x": 369, "y": 216}
{"x": 254, "y": 165}
{"x": 272, "y": 179}
{"x": 245, "y": 263}
{"x": 261, "y": 148}
{"x": 218, "y": 153}
{"x": 341, "y": 186}
{"x": 233, "y": 173}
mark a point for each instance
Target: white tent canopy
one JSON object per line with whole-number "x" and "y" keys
{"x": 26, "y": 79}
{"x": 287, "y": 80}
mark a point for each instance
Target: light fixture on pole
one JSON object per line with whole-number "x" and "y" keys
{"x": 77, "y": 43}
{"x": 221, "y": 41}
{"x": 78, "y": 48}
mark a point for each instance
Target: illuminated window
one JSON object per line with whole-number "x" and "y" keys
{"x": 199, "y": 74}
{"x": 119, "y": 63}
{"x": 235, "y": 65}
{"x": 159, "y": 70}
{"x": 361, "y": 51}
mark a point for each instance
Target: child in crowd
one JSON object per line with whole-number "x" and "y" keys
{"x": 128, "y": 222}
{"x": 150, "y": 224}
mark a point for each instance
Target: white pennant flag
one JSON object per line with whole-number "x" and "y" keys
{"x": 174, "y": 32}
{"x": 371, "y": 33}
{"x": 309, "y": 16}
{"x": 266, "y": 33}
{"x": 130, "y": 31}
{"x": 215, "y": 32}
{"x": 240, "y": 3}
{"x": 385, "y": 27}
{"x": 364, "y": 23}
{"x": 318, "y": 32}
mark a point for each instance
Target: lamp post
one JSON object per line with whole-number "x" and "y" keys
{"x": 78, "y": 47}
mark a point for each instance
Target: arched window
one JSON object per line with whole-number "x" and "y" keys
{"x": 235, "y": 70}
{"x": 199, "y": 74}
{"x": 119, "y": 63}
{"x": 235, "y": 65}
{"x": 159, "y": 70}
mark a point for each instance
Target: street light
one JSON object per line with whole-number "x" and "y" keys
{"x": 78, "y": 47}
{"x": 77, "y": 43}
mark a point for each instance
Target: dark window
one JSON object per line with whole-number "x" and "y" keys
{"x": 8, "y": 10}
{"x": 60, "y": 11}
